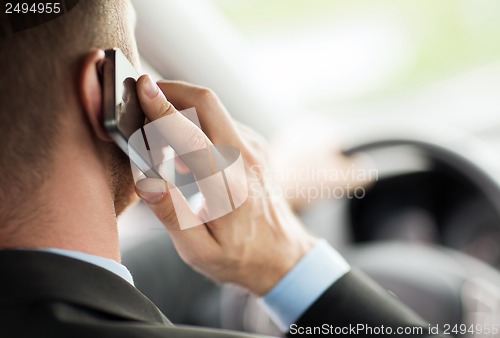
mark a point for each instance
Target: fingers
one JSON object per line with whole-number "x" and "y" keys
{"x": 215, "y": 120}
{"x": 172, "y": 209}
{"x": 183, "y": 135}
{"x": 171, "y": 126}
{"x": 193, "y": 148}
{"x": 257, "y": 141}
{"x": 153, "y": 101}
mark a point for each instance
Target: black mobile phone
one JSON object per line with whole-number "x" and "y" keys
{"x": 122, "y": 113}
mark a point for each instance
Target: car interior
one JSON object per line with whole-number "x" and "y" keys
{"x": 412, "y": 87}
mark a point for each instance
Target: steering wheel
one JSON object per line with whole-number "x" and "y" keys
{"x": 414, "y": 233}
{"x": 454, "y": 203}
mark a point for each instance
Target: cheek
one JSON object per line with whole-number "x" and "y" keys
{"x": 121, "y": 180}
{"x": 125, "y": 199}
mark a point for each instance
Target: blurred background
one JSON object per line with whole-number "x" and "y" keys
{"x": 357, "y": 58}
{"x": 412, "y": 84}
{"x": 434, "y": 59}
{"x": 358, "y": 70}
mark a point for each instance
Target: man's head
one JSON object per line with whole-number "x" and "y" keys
{"x": 50, "y": 94}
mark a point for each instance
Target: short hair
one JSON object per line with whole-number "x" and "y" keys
{"x": 38, "y": 79}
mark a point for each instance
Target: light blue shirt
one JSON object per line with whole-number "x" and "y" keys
{"x": 102, "y": 262}
{"x": 304, "y": 284}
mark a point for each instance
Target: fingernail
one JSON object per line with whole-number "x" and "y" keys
{"x": 151, "y": 197}
{"x": 151, "y": 190}
{"x": 150, "y": 88}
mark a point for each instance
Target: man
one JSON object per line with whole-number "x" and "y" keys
{"x": 63, "y": 183}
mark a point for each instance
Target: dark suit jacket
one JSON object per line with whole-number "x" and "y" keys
{"x": 48, "y": 295}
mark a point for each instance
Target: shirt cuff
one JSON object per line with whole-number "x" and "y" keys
{"x": 304, "y": 284}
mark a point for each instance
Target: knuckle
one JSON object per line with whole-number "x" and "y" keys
{"x": 167, "y": 215}
{"x": 195, "y": 138}
{"x": 167, "y": 108}
{"x": 206, "y": 97}
{"x": 233, "y": 258}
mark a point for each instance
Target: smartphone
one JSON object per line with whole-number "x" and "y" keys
{"x": 122, "y": 113}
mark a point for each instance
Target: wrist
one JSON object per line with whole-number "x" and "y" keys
{"x": 304, "y": 284}
{"x": 279, "y": 264}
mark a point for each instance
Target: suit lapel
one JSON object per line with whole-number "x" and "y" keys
{"x": 32, "y": 276}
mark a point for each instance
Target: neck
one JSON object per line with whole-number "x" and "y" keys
{"x": 77, "y": 210}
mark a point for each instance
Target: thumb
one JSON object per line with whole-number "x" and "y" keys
{"x": 172, "y": 209}
{"x": 152, "y": 190}
{"x": 168, "y": 204}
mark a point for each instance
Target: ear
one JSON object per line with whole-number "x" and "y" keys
{"x": 90, "y": 91}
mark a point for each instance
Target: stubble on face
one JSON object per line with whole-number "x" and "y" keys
{"x": 121, "y": 181}
{"x": 120, "y": 175}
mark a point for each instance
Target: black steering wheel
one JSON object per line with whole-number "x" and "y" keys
{"x": 416, "y": 232}
{"x": 412, "y": 233}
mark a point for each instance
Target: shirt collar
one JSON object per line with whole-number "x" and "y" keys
{"x": 102, "y": 262}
